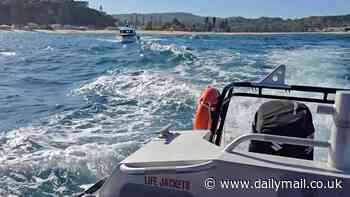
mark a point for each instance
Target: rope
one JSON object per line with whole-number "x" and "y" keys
{"x": 209, "y": 108}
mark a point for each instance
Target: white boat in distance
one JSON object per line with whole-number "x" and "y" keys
{"x": 127, "y": 34}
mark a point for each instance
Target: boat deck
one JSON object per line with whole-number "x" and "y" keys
{"x": 184, "y": 148}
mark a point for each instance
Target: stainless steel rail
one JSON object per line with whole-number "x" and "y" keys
{"x": 277, "y": 139}
{"x": 126, "y": 168}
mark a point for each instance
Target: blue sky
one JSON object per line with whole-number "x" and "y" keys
{"x": 223, "y": 8}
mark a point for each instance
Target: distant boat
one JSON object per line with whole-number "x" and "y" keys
{"x": 127, "y": 34}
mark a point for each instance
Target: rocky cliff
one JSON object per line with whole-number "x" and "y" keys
{"x": 44, "y": 12}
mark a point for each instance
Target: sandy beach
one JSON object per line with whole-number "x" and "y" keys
{"x": 68, "y": 31}
{"x": 179, "y": 33}
{"x": 231, "y": 33}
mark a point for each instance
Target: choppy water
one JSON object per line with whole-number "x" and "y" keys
{"x": 72, "y": 106}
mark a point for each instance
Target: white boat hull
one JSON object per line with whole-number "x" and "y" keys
{"x": 177, "y": 168}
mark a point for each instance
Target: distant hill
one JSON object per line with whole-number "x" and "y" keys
{"x": 190, "y": 22}
{"x": 160, "y": 17}
{"x": 45, "y": 12}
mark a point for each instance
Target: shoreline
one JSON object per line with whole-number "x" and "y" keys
{"x": 175, "y": 33}
{"x": 230, "y": 33}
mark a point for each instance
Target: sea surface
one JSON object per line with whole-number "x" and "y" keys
{"x": 73, "y": 105}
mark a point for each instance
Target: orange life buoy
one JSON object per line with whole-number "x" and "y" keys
{"x": 207, "y": 103}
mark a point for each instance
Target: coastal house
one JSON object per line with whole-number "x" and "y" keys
{"x": 312, "y": 28}
{"x": 56, "y": 26}
{"x": 33, "y": 26}
{"x": 336, "y": 29}
{"x": 5, "y": 27}
{"x": 84, "y": 4}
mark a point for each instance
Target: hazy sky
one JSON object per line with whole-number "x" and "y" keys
{"x": 246, "y": 8}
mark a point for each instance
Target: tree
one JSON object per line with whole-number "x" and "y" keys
{"x": 149, "y": 26}
{"x": 206, "y": 23}
{"x": 136, "y": 20}
{"x": 214, "y": 22}
{"x": 177, "y": 25}
{"x": 160, "y": 21}
{"x": 151, "y": 22}
{"x": 224, "y": 26}
{"x": 194, "y": 27}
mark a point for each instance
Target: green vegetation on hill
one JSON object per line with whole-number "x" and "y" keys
{"x": 45, "y": 12}
{"x": 190, "y": 22}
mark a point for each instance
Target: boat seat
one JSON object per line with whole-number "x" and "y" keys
{"x": 284, "y": 118}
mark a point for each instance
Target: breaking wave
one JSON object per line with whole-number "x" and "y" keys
{"x": 123, "y": 111}
{"x": 8, "y": 53}
{"x": 175, "y": 52}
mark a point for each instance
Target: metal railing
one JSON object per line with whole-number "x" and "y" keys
{"x": 276, "y": 139}
{"x": 132, "y": 170}
{"x": 228, "y": 92}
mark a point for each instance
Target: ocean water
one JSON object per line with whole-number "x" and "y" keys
{"x": 73, "y": 105}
